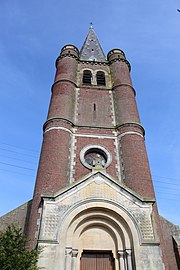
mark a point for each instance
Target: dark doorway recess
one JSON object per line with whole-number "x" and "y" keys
{"x": 97, "y": 260}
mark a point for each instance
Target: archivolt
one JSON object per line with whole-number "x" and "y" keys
{"x": 107, "y": 214}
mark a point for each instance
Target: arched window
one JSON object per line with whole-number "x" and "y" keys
{"x": 100, "y": 77}
{"x": 87, "y": 75}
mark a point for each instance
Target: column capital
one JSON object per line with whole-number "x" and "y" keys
{"x": 74, "y": 252}
{"x": 121, "y": 253}
{"x": 121, "y": 257}
{"x": 68, "y": 251}
{"x": 129, "y": 252}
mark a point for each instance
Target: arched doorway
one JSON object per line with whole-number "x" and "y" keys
{"x": 98, "y": 246}
{"x": 99, "y": 238}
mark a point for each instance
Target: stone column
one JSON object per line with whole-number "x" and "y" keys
{"x": 121, "y": 254}
{"x": 68, "y": 252}
{"x": 74, "y": 259}
{"x": 129, "y": 259}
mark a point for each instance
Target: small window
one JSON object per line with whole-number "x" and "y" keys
{"x": 100, "y": 77}
{"x": 87, "y": 75}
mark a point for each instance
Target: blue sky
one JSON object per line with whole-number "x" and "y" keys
{"x": 31, "y": 36}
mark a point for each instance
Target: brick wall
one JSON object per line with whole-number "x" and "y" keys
{"x": 168, "y": 230}
{"x": 18, "y": 216}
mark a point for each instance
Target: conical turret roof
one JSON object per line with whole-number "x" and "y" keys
{"x": 91, "y": 49}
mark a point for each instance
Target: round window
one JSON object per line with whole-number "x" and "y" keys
{"x": 95, "y": 156}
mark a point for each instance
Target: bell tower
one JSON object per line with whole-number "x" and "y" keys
{"x": 94, "y": 198}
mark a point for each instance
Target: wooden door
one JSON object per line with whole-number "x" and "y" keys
{"x": 97, "y": 261}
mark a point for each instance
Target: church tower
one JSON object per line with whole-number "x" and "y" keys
{"x": 94, "y": 206}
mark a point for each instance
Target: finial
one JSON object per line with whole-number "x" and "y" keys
{"x": 91, "y": 25}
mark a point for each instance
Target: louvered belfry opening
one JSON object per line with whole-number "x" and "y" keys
{"x": 87, "y": 75}
{"x": 97, "y": 261}
{"x": 100, "y": 77}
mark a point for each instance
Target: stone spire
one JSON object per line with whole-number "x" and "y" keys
{"x": 91, "y": 49}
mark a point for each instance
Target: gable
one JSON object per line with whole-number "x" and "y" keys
{"x": 97, "y": 188}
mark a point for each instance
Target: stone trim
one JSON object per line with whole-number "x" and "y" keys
{"x": 121, "y": 257}
{"x": 120, "y": 60}
{"x": 66, "y": 55}
{"x": 76, "y": 104}
{"x": 62, "y": 80}
{"x": 68, "y": 254}
{"x": 124, "y": 84}
{"x": 130, "y": 133}
{"x": 114, "y": 51}
{"x": 91, "y": 147}
{"x": 127, "y": 190}
{"x": 125, "y": 259}
{"x": 57, "y": 119}
{"x": 130, "y": 124}
{"x": 104, "y": 63}
{"x": 112, "y": 108}
{"x": 73, "y": 159}
{"x": 93, "y": 62}
{"x": 95, "y": 87}
{"x": 118, "y": 159}
{"x": 81, "y": 134}
{"x": 95, "y": 135}
{"x": 47, "y": 241}
{"x": 110, "y": 204}
{"x": 69, "y": 45}
{"x": 74, "y": 259}
{"x": 58, "y": 128}
{"x": 73, "y": 124}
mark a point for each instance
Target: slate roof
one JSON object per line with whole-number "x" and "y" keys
{"x": 91, "y": 49}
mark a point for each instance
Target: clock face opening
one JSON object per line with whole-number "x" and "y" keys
{"x": 95, "y": 156}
